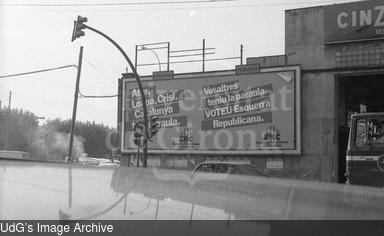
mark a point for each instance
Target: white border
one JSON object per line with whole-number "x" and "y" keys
{"x": 296, "y": 151}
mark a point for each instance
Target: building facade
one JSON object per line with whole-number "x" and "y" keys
{"x": 341, "y": 52}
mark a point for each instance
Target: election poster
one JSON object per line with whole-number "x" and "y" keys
{"x": 218, "y": 113}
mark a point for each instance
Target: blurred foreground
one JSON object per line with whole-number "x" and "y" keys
{"x": 44, "y": 191}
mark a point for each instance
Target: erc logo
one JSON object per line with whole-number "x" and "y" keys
{"x": 272, "y": 134}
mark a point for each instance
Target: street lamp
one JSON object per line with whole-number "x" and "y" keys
{"x": 153, "y": 51}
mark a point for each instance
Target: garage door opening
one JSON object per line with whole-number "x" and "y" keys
{"x": 355, "y": 94}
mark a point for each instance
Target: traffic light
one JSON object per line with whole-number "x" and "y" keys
{"x": 78, "y": 27}
{"x": 138, "y": 132}
{"x": 154, "y": 126}
{"x": 137, "y": 139}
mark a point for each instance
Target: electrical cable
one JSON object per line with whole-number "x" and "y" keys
{"x": 180, "y": 8}
{"x": 94, "y": 96}
{"x": 58, "y": 68}
{"x": 110, "y": 4}
{"x": 293, "y": 4}
{"x": 37, "y": 71}
{"x": 98, "y": 70}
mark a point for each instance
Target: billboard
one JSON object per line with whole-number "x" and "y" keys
{"x": 356, "y": 21}
{"x": 227, "y": 113}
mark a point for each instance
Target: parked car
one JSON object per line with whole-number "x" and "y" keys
{"x": 228, "y": 167}
{"x": 108, "y": 164}
{"x": 101, "y": 162}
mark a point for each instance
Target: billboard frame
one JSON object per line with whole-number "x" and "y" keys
{"x": 297, "y": 115}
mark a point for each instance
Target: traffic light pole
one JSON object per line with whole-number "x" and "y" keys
{"x": 145, "y": 149}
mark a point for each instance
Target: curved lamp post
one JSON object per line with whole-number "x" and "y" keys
{"x": 153, "y": 51}
{"x": 78, "y": 26}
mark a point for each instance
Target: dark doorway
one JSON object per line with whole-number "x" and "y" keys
{"x": 356, "y": 93}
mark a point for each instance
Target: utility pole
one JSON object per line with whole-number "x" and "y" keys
{"x": 168, "y": 54}
{"x": 203, "y": 55}
{"x": 7, "y": 121}
{"x": 70, "y": 158}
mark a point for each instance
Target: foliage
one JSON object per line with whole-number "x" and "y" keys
{"x": 97, "y": 138}
{"x": 19, "y": 126}
{"x": 51, "y": 140}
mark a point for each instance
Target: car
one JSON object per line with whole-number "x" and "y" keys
{"x": 108, "y": 164}
{"x": 228, "y": 167}
{"x": 101, "y": 162}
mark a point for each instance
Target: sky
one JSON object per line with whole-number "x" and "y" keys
{"x": 36, "y": 35}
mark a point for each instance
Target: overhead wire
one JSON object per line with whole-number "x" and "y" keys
{"x": 97, "y": 96}
{"x": 37, "y": 71}
{"x": 58, "y": 68}
{"x": 50, "y": 103}
{"x": 109, "y": 4}
{"x": 104, "y": 75}
{"x": 270, "y": 4}
{"x": 40, "y": 88}
{"x": 98, "y": 70}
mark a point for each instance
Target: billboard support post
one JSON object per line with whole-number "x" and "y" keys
{"x": 144, "y": 105}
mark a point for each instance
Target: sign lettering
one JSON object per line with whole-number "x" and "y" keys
{"x": 354, "y": 21}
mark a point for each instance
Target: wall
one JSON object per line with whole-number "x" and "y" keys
{"x": 321, "y": 65}
{"x": 304, "y": 40}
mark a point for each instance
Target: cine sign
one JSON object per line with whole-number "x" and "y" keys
{"x": 247, "y": 113}
{"x": 357, "y": 21}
